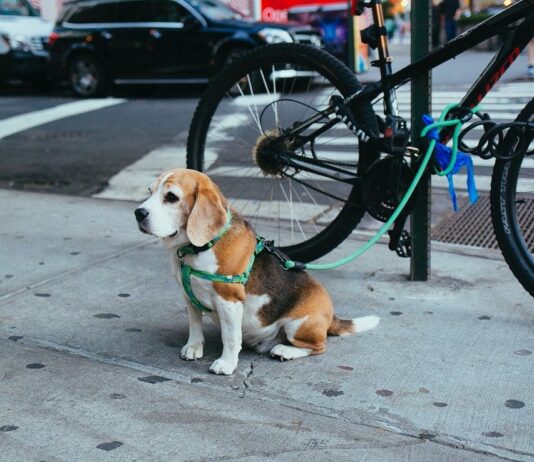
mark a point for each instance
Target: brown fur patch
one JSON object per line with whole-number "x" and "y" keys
{"x": 233, "y": 252}
{"x": 317, "y": 306}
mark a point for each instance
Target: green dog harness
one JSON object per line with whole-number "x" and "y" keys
{"x": 188, "y": 270}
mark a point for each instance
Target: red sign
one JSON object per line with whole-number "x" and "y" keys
{"x": 276, "y": 10}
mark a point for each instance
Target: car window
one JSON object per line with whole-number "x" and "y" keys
{"x": 16, "y": 8}
{"x": 134, "y": 11}
{"x": 168, "y": 11}
{"x": 99, "y": 13}
{"x": 215, "y": 10}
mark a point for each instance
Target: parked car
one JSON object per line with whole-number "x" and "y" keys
{"x": 23, "y": 35}
{"x": 99, "y": 43}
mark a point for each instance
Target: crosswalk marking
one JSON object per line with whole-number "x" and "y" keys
{"x": 483, "y": 183}
{"x": 23, "y": 122}
{"x": 132, "y": 182}
{"x": 301, "y": 211}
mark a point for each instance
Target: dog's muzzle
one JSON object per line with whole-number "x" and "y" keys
{"x": 140, "y": 215}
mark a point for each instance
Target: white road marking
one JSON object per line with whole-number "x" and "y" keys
{"x": 247, "y": 100}
{"x": 482, "y": 182}
{"x": 302, "y": 211}
{"x": 247, "y": 171}
{"x": 23, "y": 122}
{"x": 132, "y": 182}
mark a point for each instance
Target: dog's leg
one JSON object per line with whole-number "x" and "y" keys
{"x": 231, "y": 317}
{"x": 194, "y": 348}
{"x": 308, "y": 339}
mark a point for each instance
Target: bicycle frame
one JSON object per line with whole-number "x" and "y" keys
{"x": 505, "y": 56}
{"x": 520, "y": 36}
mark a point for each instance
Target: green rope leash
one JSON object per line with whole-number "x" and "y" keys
{"x": 440, "y": 124}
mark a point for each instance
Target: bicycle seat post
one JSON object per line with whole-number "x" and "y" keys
{"x": 384, "y": 59}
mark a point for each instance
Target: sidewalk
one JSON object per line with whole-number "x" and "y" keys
{"x": 91, "y": 323}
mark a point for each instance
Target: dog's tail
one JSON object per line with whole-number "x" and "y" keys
{"x": 349, "y": 326}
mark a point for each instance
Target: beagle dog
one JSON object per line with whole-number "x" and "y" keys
{"x": 287, "y": 313}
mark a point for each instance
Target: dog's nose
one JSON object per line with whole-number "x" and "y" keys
{"x": 141, "y": 214}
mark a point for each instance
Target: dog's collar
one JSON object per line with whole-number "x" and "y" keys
{"x": 191, "y": 249}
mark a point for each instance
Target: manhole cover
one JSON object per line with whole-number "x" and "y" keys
{"x": 472, "y": 225}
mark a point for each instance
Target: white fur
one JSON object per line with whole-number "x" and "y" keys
{"x": 292, "y": 326}
{"x": 194, "y": 348}
{"x": 163, "y": 217}
{"x": 365, "y": 323}
{"x": 254, "y": 333}
{"x": 230, "y": 316}
{"x": 287, "y": 352}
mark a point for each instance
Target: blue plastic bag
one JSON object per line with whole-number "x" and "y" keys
{"x": 443, "y": 154}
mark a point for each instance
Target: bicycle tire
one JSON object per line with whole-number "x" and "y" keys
{"x": 508, "y": 231}
{"x": 343, "y": 79}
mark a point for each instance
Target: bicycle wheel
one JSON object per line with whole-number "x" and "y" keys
{"x": 256, "y": 98}
{"x": 512, "y": 207}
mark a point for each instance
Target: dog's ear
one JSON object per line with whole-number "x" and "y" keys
{"x": 208, "y": 215}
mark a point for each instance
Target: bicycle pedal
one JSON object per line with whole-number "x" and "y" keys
{"x": 404, "y": 247}
{"x": 344, "y": 114}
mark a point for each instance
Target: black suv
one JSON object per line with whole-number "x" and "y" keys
{"x": 97, "y": 43}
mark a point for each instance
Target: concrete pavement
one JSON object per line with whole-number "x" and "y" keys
{"x": 91, "y": 323}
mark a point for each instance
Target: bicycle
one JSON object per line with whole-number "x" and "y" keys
{"x": 295, "y": 123}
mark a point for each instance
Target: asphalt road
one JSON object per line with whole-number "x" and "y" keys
{"x": 78, "y": 154}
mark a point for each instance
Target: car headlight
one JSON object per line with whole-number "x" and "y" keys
{"x": 271, "y": 35}
{"x": 20, "y": 43}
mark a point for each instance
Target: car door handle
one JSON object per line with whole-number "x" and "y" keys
{"x": 154, "y": 33}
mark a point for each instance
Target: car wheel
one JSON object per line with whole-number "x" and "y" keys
{"x": 87, "y": 77}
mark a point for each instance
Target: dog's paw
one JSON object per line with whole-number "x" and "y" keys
{"x": 287, "y": 352}
{"x": 192, "y": 352}
{"x": 223, "y": 367}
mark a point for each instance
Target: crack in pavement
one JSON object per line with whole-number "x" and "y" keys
{"x": 248, "y": 374}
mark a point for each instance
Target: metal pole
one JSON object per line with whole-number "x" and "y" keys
{"x": 421, "y": 34}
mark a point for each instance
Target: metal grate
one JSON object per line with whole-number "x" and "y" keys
{"x": 472, "y": 225}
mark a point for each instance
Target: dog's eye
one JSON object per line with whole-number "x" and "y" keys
{"x": 170, "y": 197}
